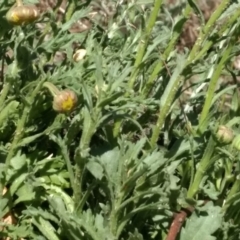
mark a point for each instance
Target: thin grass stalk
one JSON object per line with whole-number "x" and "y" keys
{"x": 204, "y": 164}
{"x": 140, "y": 54}
{"x": 4, "y": 94}
{"x": 165, "y": 55}
{"x": 70, "y": 10}
{"x": 205, "y": 30}
{"x": 213, "y": 84}
{"x": 208, "y": 44}
{"x": 169, "y": 95}
{"x": 144, "y": 42}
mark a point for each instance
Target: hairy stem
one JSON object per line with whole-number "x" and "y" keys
{"x": 170, "y": 91}
{"x": 70, "y": 10}
{"x": 89, "y": 127}
{"x": 204, "y": 164}
{"x": 4, "y": 94}
{"x": 144, "y": 42}
{"x": 166, "y": 54}
{"x": 20, "y": 126}
{"x": 213, "y": 84}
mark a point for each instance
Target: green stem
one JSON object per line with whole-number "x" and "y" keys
{"x": 166, "y": 54}
{"x": 170, "y": 91}
{"x": 4, "y": 94}
{"x": 212, "y": 85}
{"x": 219, "y": 34}
{"x": 235, "y": 189}
{"x": 204, "y": 164}
{"x": 144, "y": 42}
{"x": 205, "y": 31}
{"x": 89, "y": 127}
{"x": 52, "y": 88}
{"x": 70, "y": 10}
{"x": 20, "y": 126}
{"x": 65, "y": 155}
{"x": 165, "y": 109}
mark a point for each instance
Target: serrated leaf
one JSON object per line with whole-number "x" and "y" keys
{"x": 45, "y": 228}
{"x": 135, "y": 236}
{"x": 95, "y": 168}
{"x": 202, "y": 226}
{"x": 110, "y": 162}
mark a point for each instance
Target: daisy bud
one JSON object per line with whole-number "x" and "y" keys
{"x": 224, "y": 134}
{"x": 65, "y": 101}
{"x": 79, "y": 55}
{"x": 20, "y": 14}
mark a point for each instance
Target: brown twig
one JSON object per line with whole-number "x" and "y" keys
{"x": 177, "y": 223}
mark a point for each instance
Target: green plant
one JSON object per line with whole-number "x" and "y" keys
{"x": 134, "y": 139}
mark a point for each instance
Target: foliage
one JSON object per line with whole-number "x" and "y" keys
{"x": 142, "y": 144}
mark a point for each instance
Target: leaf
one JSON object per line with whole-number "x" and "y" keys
{"x": 17, "y": 163}
{"x": 110, "y": 162}
{"x": 57, "y": 191}
{"x": 196, "y": 9}
{"x": 8, "y": 112}
{"x": 203, "y": 225}
{"x": 25, "y": 193}
{"x": 45, "y": 228}
{"x": 135, "y": 236}
{"x": 95, "y": 168}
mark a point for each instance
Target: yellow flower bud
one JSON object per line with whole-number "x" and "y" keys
{"x": 21, "y": 14}
{"x": 64, "y": 101}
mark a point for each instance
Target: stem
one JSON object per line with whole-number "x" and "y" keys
{"x": 144, "y": 42}
{"x": 52, "y": 88}
{"x": 4, "y": 94}
{"x": 89, "y": 127}
{"x": 166, "y": 54}
{"x": 68, "y": 163}
{"x": 20, "y": 126}
{"x": 204, "y": 164}
{"x": 220, "y": 33}
{"x": 70, "y": 10}
{"x": 212, "y": 85}
{"x": 204, "y": 32}
{"x": 177, "y": 223}
{"x": 235, "y": 189}
{"x": 170, "y": 91}
{"x": 165, "y": 109}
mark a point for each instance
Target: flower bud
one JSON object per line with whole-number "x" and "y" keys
{"x": 236, "y": 142}
{"x": 79, "y": 55}
{"x": 224, "y": 134}
{"x": 21, "y": 14}
{"x": 64, "y": 101}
